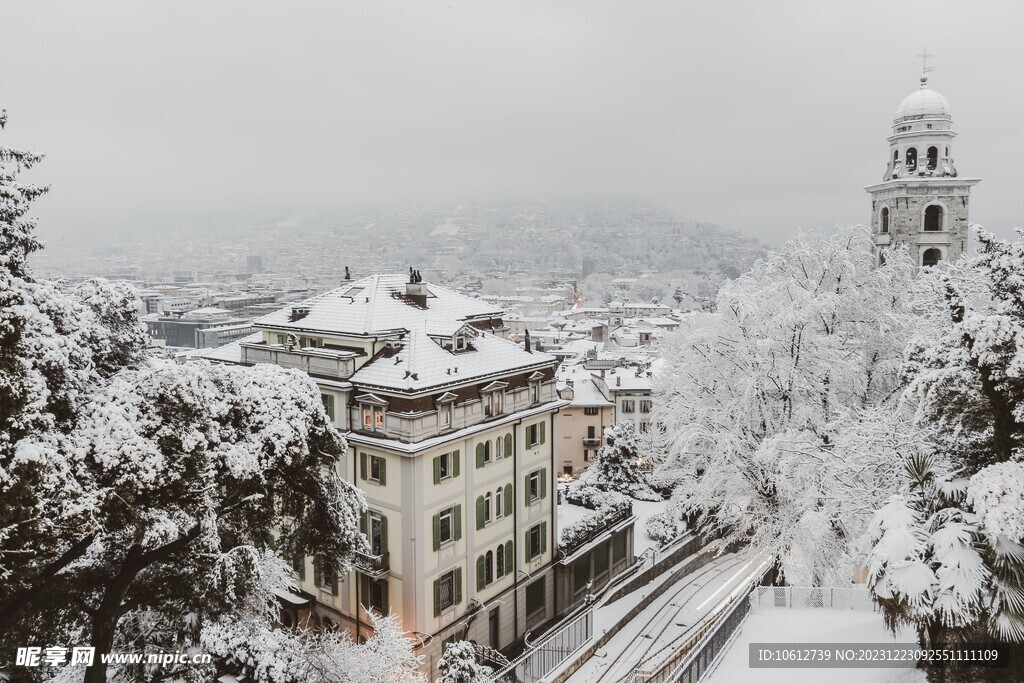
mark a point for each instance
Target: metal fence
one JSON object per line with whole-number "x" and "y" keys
{"x": 807, "y": 597}
{"x": 548, "y": 653}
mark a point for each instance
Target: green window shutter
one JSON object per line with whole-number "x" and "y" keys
{"x": 510, "y": 558}
{"x": 437, "y": 532}
{"x": 437, "y": 469}
{"x": 362, "y": 466}
{"x": 362, "y": 522}
{"x": 334, "y": 582}
{"x": 508, "y": 499}
{"x": 508, "y": 445}
{"x": 437, "y": 597}
{"x": 385, "y": 602}
{"x": 544, "y": 482}
{"x": 479, "y": 455}
{"x": 455, "y": 462}
{"x": 480, "y": 573}
{"x": 383, "y": 534}
{"x": 543, "y": 537}
{"x": 458, "y": 585}
{"x": 526, "y": 489}
{"x": 542, "y": 425}
{"x": 383, "y": 472}
{"x": 526, "y": 547}
{"x": 458, "y": 522}
{"x": 481, "y": 512}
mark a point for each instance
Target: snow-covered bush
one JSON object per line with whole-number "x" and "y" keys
{"x": 458, "y": 664}
{"x": 612, "y": 507}
{"x": 616, "y": 466}
{"x": 592, "y": 497}
{"x": 662, "y": 527}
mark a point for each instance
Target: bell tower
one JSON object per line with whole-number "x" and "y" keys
{"x": 922, "y": 201}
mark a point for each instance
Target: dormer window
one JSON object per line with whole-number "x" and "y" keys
{"x": 494, "y": 398}
{"x": 460, "y": 343}
{"x": 372, "y": 408}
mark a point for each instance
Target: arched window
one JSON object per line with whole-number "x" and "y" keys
{"x": 885, "y": 219}
{"x": 933, "y": 218}
{"x": 500, "y": 557}
{"x": 489, "y": 567}
{"x": 931, "y": 257}
{"x": 912, "y": 159}
{"x": 498, "y": 447}
{"x": 895, "y": 156}
{"x": 487, "y": 507}
{"x": 498, "y": 509}
{"x": 933, "y": 158}
{"x": 487, "y": 451}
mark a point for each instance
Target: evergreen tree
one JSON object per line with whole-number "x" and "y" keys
{"x": 616, "y": 466}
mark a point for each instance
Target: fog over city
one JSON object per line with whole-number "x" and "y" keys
{"x": 760, "y": 117}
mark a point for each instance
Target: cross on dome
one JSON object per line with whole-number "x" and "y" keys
{"x": 925, "y": 69}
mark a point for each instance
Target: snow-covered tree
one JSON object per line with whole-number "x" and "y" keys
{"x": 616, "y": 466}
{"x": 946, "y": 555}
{"x": 268, "y": 655}
{"x": 458, "y": 664}
{"x": 759, "y": 403}
{"x": 135, "y": 488}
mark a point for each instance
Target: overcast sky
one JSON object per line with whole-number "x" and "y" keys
{"x": 760, "y": 116}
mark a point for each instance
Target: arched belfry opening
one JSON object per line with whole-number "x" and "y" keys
{"x": 933, "y": 158}
{"x": 885, "y": 219}
{"x": 912, "y": 159}
{"x": 933, "y": 218}
{"x": 931, "y": 257}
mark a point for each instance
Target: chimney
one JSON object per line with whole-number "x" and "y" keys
{"x": 618, "y": 381}
{"x": 348, "y": 275}
{"x": 415, "y": 289}
{"x": 526, "y": 342}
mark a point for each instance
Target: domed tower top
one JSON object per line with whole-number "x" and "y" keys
{"x": 922, "y": 104}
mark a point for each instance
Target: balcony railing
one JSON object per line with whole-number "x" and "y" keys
{"x": 373, "y": 565}
{"x": 591, "y": 441}
{"x": 609, "y": 517}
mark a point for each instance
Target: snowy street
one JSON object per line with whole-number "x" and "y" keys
{"x": 670, "y": 619}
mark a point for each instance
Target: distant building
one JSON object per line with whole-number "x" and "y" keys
{"x": 254, "y": 263}
{"x": 580, "y": 426}
{"x": 182, "y": 330}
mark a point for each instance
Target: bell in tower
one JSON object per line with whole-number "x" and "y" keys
{"x": 922, "y": 201}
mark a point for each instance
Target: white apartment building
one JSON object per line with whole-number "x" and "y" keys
{"x": 450, "y": 432}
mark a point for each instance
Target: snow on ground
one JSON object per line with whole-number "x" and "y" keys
{"x": 644, "y": 510}
{"x": 811, "y": 626}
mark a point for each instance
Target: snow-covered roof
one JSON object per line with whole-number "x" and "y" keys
{"x": 922, "y": 103}
{"x": 422, "y": 363}
{"x": 378, "y": 304}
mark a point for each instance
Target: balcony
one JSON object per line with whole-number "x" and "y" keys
{"x": 591, "y": 441}
{"x": 322, "y": 362}
{"x": 374, "y": 566}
